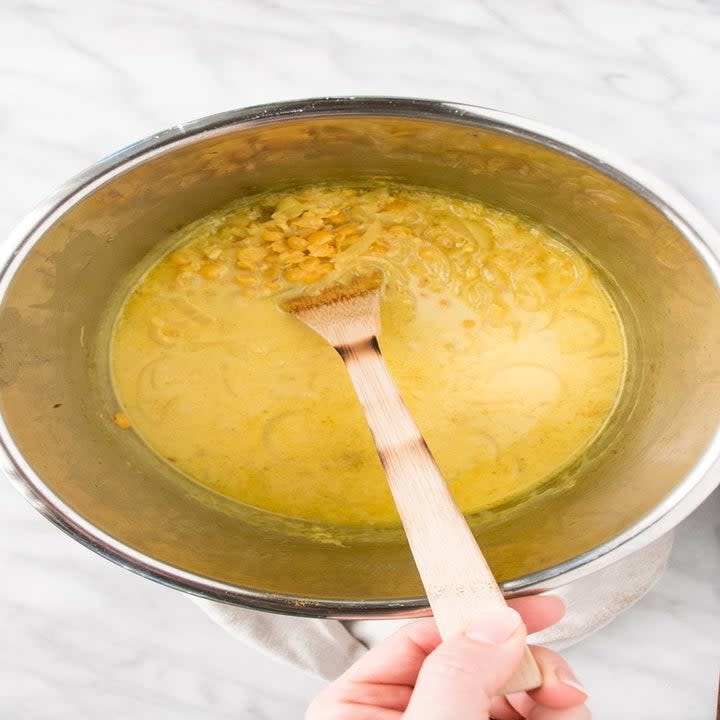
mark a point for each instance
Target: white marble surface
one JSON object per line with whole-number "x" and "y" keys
{"x": 79, "y": 79}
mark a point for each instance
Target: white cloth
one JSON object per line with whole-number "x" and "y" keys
{"x": 326, "y": 648}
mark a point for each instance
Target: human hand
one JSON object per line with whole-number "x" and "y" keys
{"x": 413, "y": 675}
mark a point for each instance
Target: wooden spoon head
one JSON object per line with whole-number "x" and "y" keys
{"x": 343, "y": 314}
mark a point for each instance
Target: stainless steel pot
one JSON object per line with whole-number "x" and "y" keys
{"x": 68, "y": 261}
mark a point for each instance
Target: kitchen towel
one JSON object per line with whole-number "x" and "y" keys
{"x": 326, "y": 648}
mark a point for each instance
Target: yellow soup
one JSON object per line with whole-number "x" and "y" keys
{"x": 505, "y": 345}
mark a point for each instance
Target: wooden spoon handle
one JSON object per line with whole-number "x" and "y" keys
{"x": 458, "y": 582}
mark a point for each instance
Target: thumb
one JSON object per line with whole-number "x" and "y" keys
{"x": 458, "y": 679}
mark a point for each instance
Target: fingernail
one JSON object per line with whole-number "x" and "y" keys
{"x": 566, "y": 677}
{"x": 494, "y": 627}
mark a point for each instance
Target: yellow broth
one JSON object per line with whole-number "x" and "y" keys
{"x": 503, "y": 341}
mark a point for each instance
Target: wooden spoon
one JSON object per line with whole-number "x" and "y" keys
{"x": 458, "y": 582}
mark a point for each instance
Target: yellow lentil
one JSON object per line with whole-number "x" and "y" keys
{"x": 212, "y": 271}
{"x": 295, "y": 242}
{"x": 271, "y": 235}
{"x": 319, "y": 237}
{"x": 180, "y": 258}
{"x": 122, "y": 420}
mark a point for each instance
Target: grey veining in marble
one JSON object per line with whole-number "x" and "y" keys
{"x": 79, "y": 79}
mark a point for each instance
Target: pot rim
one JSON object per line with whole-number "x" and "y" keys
{"x": 696, "y": 486}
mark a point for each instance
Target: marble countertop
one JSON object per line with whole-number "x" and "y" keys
{"x": 80, "y": 79}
